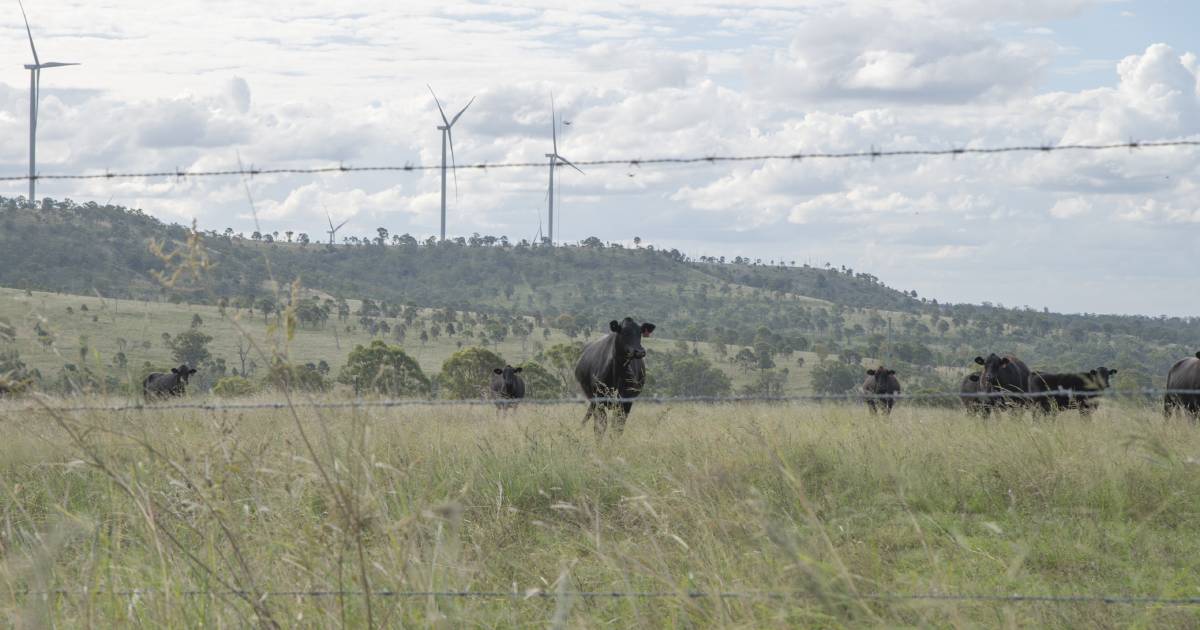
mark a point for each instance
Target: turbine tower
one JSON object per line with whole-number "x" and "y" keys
{"x": 448, "y": 138}
{"x": 35, "y": 81}
{"x": 555, "y": 158}
{"x": 332, "y": 231}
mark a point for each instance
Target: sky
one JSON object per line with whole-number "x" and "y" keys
{"x": 200, "y": 85}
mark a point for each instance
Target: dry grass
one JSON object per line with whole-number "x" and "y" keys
{"x": 826, "y": 502}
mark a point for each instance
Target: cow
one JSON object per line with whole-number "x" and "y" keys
{"x": 1002, "y": 375}
{"x": 1184, "y": 375}
{"x": 163, "y": 385}
{"x": 881, "y": 382}
{"x": 1068, "y": 391}
{"x": 968, "y": 391}
{"x": 613, "y": 367}
{"x": 507, "y": 387}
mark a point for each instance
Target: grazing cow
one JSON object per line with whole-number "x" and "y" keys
{"x": 881, "y": 382}
{"x": 1184, "y": 375}
{"x": 507, "y": 386}
{"x": 162, "y": 385}
{"x": 1001, "y": 375}
{"x": 967, "y": 391}
{"x": 1066, "y": 391}
{"x": 613, "y": 367}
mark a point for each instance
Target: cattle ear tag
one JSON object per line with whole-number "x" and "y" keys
{"x": 498, "y": 371}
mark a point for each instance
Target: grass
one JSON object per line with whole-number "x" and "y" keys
{"x": 824, "y": 501}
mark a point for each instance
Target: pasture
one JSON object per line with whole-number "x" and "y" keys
{"x": 154, "y": 518}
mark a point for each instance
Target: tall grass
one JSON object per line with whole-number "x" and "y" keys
{"x": 827, "y": 503}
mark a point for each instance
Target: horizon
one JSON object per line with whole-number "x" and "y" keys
{"x": 302, "y": 84}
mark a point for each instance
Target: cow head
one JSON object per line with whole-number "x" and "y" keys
{"x": 880, "y": 375}
{"x": 629, "y": 338}
{"x": 183, "y": 372}
{"x": 1101, "y": 375}
{"x": 989, "y": 378}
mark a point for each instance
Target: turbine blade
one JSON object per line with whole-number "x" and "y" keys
{"x": 553, "y": 124}
{"x": 460, "y": 112}
{"x": 453, "y": 160}
{"x": 341, "y": 224}
{"x": 58, "y": 64}
{"x": 30, "y": 33}
{"x": 567, "y": 162}
{"x": 439, "y": 105}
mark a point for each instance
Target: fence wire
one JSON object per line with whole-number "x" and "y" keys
{"x": 47, "y": 404}
{"x": 999, "y": 598}
{"x": 872, "y": 153}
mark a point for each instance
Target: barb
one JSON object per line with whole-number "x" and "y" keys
{"x": 872, "y": 154}
{"x": 1130, "y": 600}
{"x": 651, "y": 400}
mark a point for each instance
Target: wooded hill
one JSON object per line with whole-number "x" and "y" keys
{"x": 766, "y": 306}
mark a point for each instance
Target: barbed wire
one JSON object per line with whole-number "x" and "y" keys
{"x": 1074, "y": 598}
{"x": 367, "y": 403}
{"x": 872, "y": 153}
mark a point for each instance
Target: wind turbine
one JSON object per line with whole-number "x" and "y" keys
{"x": 448, "y": 137}
{"x": 332, "y": 231}
{"x": 35, "y": 81}
{"x": 555, "y": 158}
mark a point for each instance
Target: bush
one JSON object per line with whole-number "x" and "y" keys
{"x": 302, "y": 378}
{"x": 540, "y": 383}
{"x": 468, "y": 373}
{"x": 234, "y": 387}
{"x": 684, "y": 374}
{"x": 835, "y": 377}
{"x": 384, "y": 369}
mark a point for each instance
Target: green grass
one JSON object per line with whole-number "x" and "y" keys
{"x": 827, "y": 502}
{"x": 110, "y": 326}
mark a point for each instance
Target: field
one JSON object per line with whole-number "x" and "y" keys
{"x": 826, "y": 506}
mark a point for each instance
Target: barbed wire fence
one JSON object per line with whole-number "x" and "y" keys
{"x": 1147, "y": 394}
{"x": 872, "y": 153}
{"x": 541, "y": 594}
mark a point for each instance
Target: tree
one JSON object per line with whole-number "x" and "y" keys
{"x": 468, "y": 373}
{"x": 681, "y": 373}
{"x": 540, "y": 383}
{"x": 835, "y": 377}
{"x": 384, "y": 369}
{"x": 562, "y": 358}
{"x": 288, "y": 377}
{"x": 197, "y": 321}
{"x": 190, "y": 347}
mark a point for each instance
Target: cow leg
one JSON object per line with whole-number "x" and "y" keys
{"x": 887, "y": 406}
{"x": 600, "y": 420}
{"x": 871, "y": 405}
{"x": 588, "y": 416}
{"x": 621, "y": 417}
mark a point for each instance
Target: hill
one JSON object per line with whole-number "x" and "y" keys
{"x": 747, "y": 316}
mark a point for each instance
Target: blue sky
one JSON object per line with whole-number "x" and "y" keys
{"x": 300, "y": 83}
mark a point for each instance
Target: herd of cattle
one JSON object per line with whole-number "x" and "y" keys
{"x": 612, "y": 372}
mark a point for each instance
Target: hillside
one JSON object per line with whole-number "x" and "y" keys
{"x": 771, "y": 311}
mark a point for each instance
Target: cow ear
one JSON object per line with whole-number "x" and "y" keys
{"x": 174, "y": 370}
{"x": 891, "y": 372}
{"x": 517, "y": 370}
{"x": 870, "y": 372}
{"x": 1113, "y": 371}
{"x": 647, "y": 329}
{"x": 974, "y": 378}
{"x": 979, "y": 360}
{"x": 1093, "y": 372}
{"x": 497, "y": 371}
{"x": 1004, "y": 361}
{"x": 192, "y": 371}
{"x": 614, "y": 326}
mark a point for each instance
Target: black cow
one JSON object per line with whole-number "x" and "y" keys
{"x": 507, "y": 386}
{"x": 880, "y": 382}
{"x": 967, "y": 393}
{"x": 161, "y": 385}
{"x": 1068, "y": 391}
{"x": 613, "y": 367}
{"x": 1185, "y": 374}
{"x": 1000, "y": 375}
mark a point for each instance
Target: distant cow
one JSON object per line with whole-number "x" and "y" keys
{"x": 1002, "y": 374}
{"x": 613, "y": 367}
{"x": 1184, "y": 375}
{"x": 507, "y": 386}
{"x": 881, "y": 382}
{"x": 1068, "y": 391}
{"x": 162, "y": 385}
{"x": 968, "y": 391}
